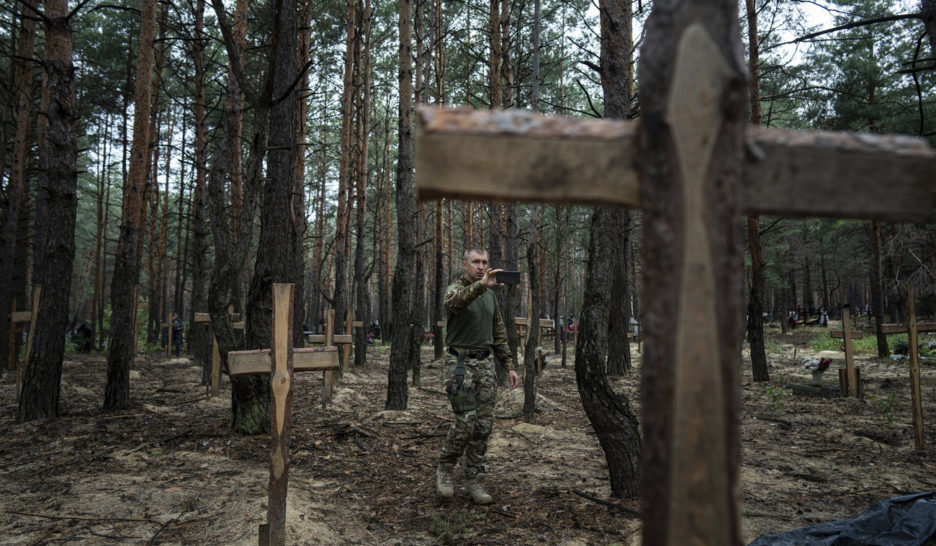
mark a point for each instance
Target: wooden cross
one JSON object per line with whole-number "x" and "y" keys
{"x": 912, "y": 328}
{"x": 846, "y": 334}
{"x": 330, "y": 339}
{"x": 281, "y": 361}
{"x": 694, "y": 169}
{"x": 17, "y": 317}
{"x": 215, "y": 354}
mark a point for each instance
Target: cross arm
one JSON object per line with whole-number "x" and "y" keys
{"x": 257, "y": 362}
{"x": 902, "y": 328}
{"x": 21, "y": 316}
{"x": 518, "y": 155}
{"x": 839, "y": 334}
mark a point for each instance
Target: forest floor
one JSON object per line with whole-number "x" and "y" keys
{"x": 170, "y": 471}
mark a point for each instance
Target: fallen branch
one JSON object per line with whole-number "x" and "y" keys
{"x": 78, "y": 518}
{"x": 609, "y": 504}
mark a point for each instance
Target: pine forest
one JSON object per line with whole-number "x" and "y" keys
{"x": 235, "y": 238}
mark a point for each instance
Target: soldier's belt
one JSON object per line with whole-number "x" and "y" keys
{"x": 477, "y": 355}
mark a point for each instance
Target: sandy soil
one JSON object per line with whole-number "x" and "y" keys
{"x": 170, "y": 471}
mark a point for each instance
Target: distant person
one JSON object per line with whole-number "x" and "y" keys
{"x": 475, "y": 334}
{"x": 177, "y": 326}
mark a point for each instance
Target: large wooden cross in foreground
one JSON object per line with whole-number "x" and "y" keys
{"x": 281, "y": 361}
{"x": 694, "y": 168}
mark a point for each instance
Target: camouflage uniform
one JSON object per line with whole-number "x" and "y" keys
{"x": 470, "y": 430}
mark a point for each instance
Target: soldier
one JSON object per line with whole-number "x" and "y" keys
{"x": 475, "y": 333}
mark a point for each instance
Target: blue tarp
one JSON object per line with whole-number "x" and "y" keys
{"x": 903, "y": 521}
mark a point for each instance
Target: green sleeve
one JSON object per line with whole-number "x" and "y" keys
{"x": 457, "y": 297}
{"x": 501, "y": 347}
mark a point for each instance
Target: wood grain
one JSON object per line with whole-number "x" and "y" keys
{"x": 257, "y": 361}
{"x": 520, "y": 156}
{"x": 916, "y": 402}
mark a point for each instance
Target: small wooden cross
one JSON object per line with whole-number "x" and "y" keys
{"x": 912, "y": 328}
{"x": 15, "y": 318}
{"x": 694, "y": 169}
{"x": 846, "y": 334}
{"x": 215, "y": 354}
{"x": 281, "y": 361}
{"x": 329, "y": 338}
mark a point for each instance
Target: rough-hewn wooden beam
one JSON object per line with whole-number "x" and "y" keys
{"x": 846, "y": 175}
{"x": 257, "y": 362}
{"x": 518, "y": 155}
{"x": 902, "y": 328}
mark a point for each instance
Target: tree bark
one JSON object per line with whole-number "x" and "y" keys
{"x": 755, "y": 325}
{"x": 200, "y": 334}
{"x": 362, "y": 300}
{"x": 616, "y": 81}
{"x": 127, "y": 264}
{"x": 397, "y": 393}
{"x": 877, "y": 303}
{"x": 277, "y": 224}
{"x": 42, "y": 380}
{"x": 529, "y": 351}
{"x": 15, "y": 191}
{"x": 345, "y": 177}
{"x": 609, "y": 414}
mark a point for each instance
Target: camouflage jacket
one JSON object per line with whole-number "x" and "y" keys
{"x": 459, "y": 295}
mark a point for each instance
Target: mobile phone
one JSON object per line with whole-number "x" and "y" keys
{"x": 508, "y": 277}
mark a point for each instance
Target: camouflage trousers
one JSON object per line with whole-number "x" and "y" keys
{"x": 470, "y": 429}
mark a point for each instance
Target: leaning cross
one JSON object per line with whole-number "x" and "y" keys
{"x": 281, "y": 361}
{"x": 694, "y": 169}
{"x": 912, "y": 328}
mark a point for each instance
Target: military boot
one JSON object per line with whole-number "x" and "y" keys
{"x": 444, "y": 481}
{"x": 478, "y": 494}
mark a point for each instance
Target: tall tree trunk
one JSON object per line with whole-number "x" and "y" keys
{"x": 928, "y": 12}
{"x": 616, "y": 78}
{"x": 877, "y": 305}
{"x": 277, "y": 225}
{"x": 440, "y": 249}
{"x": 494, "y": 70}
{"x": 181, "y": 232}
{"x": 755, "y": 325}
{"x": 15, "y": 191}
{"x": 250, "y": 395}
{"x": 362, "y": 301}
{"x": 318, "y": 234}
{"x": 97, "y": 309}
{"x": 609, "y": 413}
{"x": 155, "y": 312}
{"x": 345, "y": 177}
{"x": 127, "y": 264}
{"x": 557, "y": 279}
{"x": 298, "y": 258}
{"x": 42, "y": 380}
{"x": 529, "y": 351}
{"x": 397, "y": 393}
{"x": 235, "y": 102}
{"x": 383, "y": 279}
{"x": 200, "y": 341}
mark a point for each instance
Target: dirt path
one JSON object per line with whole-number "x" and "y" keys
{"x": 170, "y": 471}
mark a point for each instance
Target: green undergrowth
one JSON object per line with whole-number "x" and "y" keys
{"x": 867, "y": 345}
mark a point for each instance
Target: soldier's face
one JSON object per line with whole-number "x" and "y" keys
{"x": 476, "y": 265}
